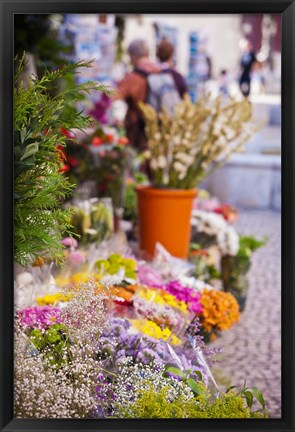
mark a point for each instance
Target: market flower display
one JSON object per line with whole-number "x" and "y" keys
{"x": 109, "y": 335}
{"x": 115, "y": 360}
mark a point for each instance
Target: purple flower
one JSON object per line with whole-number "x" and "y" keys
{"x": 100, "y": 109}
{"x": 39, "y": 317}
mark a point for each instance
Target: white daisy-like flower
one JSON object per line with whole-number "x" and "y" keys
{"x": 177, "y": 140}
{"x": 185, "y": 158}
{"x": 147, "y": 154}
{"x": 179, "y": 167}
{"x": 154, "y": 164}
{"x": 162, "y": 162}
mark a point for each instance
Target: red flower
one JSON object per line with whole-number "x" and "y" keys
{"x": 73, "y": 161}
{"x": 123, "y": 140}
{"x": 61, "y": 152}
{"x": 228, "y": 212}
{"x": 67, "y": 133}
{"x": 109, "y": 138}
{"x": 64, "y": 168}
{"x": 96, "y": 141}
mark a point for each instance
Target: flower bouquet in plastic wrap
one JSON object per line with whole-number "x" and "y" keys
{"x": 92, "y": 220}
{"x": 160, "y": 313}
{"x": 103, "y": 366}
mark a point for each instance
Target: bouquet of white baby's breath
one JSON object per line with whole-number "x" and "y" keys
{"x": 197, "y": 139}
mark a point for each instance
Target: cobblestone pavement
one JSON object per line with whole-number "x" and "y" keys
{"x": 251, "y": 350}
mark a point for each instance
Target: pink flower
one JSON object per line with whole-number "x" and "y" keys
{"x": 191, "y": 297}
{"x": 39, "y": 317}
{"x": 148, "y": 276}
{"x": 70, "y": 242}
{"x": 76, "y": 258}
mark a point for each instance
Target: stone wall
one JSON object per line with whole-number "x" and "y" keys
{"x": 248, "y": 180}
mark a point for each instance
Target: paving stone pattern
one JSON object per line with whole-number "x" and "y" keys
{"x": 251, "y": 350}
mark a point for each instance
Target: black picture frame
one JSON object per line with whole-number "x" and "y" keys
{"x": 287, "y": 9}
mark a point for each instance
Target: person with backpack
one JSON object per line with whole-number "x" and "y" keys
{"x": 154, "y": 84}
{"x": 165, "y": 52}
{"x": 133, "y": 88}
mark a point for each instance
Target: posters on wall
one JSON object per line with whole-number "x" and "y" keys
{"x": 92, "y": 40}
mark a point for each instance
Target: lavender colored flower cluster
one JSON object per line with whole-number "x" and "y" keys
{"x": 190, "y": 296}
{"x": 118, "y": 341}
{"x": 39, "y": 317}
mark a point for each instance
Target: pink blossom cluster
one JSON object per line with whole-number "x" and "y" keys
{"x": 70, "y": 242}
{"x": 190, "y": 296}
{"x": 148, "y": 276}
{"x": 76, "y": 258}
{"x": 39, "y": 317}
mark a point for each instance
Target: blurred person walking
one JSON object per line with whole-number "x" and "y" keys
{"x": 133, "y": 88}
{"x": 159, "y": 85}
{"x": 223, "y": 82}
{"x": 248, "y": 59}
{"x": 165, "y": 51}
{"x": 204, "y": 64}
{"x": 258, "y": 79}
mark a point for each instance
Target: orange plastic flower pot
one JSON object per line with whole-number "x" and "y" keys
{"x": 164, "y": 217}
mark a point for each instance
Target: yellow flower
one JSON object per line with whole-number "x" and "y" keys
{"x": 62, "y": 281}
{"x": 153, "y": 330}
{"x": 50, "y": 299}
{"x": 162, "y": 297}
{"x": 83, "y": 277}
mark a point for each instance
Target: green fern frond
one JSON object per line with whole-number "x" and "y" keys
{"x": 39, "y": 220}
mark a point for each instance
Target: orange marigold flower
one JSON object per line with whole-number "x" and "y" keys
{"x": 220, "y": 310}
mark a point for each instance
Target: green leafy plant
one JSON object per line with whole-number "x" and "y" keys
{"x": 249, "y": 244}
{"x": 151, "y": 404}
{"x": 53, "y": 343}
{"x": 39, "y": 184}
{"x": 202, "y": 271}
{"x": 234, "y": 269}
{"x": 130, "y": 201}
{"x": 115, "y": 263}
{"x": 197, "y": 387}
{"x": 250, "y": 394}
